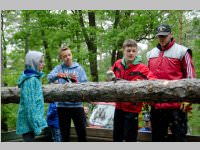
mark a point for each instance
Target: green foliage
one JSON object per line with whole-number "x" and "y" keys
{"x": 23, "y": 29}
{"x": 196, "y": 60}
{"x": 104, "y": 66}
{"x": 11, "y": 113}
{"x": 194, "y": 122}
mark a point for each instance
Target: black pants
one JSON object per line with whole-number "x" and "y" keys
{"x": 175, "y": 119}
{"x": 79, "y": 119}
{"x": 29, "y": 137}
{"x": 125, "y": 126}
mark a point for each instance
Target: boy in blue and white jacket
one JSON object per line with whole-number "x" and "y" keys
{"x": 59, "y": 114}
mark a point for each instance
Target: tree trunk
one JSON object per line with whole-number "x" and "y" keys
{"x": 78, "y": 46}
{"x": 2, "y": 49}
{"x": 115, "y": 25}
{"x": 124, "y": 91}
{"x": 180, "y": 35}
{"x": 113, "y": 57}
{"x": 119, "y": 54}
{"x": 4, "y": 126}
{"x": 92, "y": 47}
{"x": 26, "y": 38}
{"x": 91, "y": 41}
{"x": 47, "y": 53}
{"x": 3, "y": 44}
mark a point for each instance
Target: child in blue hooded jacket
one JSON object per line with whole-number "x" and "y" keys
{"x": 30, "y": 119}
{"x": 60, "y": 113}
{"x": 53, "y": 122}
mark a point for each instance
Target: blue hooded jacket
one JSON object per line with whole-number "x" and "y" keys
{"x": 31, "y": 107}
{"x": 75, "y": 68}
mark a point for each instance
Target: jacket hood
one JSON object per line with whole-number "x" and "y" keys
{"x": 137, "y": 60}
{"x": 28, "y": 73}
{"x": 74, "y": 65}
{"x": 32, "y": 60}
{"x": 169, "y": 45}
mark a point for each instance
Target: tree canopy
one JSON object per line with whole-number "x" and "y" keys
{"x": 94, "y": 36}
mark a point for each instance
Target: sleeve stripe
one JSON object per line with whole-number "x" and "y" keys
{"x": 189, "y": 67}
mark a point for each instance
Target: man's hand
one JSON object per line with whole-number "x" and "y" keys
{"x": 62, "y": 75}
{"x": 186, "y": 106}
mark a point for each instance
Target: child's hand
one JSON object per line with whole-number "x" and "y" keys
{"x": 74, "y": 78}
{"x": 62, "y": 75}
{"x": 110, "y": 75}
{"x": 86, "y": 110}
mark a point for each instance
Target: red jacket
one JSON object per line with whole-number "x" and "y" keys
{"x": 172, "y": 63}
{"x": 133, "y": 72}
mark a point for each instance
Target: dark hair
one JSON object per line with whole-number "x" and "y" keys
{"x": 63, "y": 48}
{"x": 129, "y": 43}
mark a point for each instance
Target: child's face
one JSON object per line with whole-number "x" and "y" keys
{"x": 41, "y": 65}
{"x": 67, "y": 57}
{"x": 130, "y": 53}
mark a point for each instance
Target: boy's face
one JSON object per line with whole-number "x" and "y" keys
{"x": 130, "y": 53}
{"x": 66, "y": 56}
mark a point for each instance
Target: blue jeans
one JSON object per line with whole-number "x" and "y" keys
{"x": 56, "y": 135}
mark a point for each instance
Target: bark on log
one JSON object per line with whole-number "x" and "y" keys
{"x": 150, "y": 91}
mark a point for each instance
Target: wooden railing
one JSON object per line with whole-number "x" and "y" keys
{"x": 93, "y": 135}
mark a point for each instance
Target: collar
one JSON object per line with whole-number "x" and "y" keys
{"x": 30, "y": 72}
{"x": 136, "y": 61}
{"x": 168, "y": 46}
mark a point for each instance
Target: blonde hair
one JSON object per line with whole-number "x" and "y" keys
{"x": 63, "y": 48}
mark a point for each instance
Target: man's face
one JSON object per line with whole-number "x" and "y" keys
{"x": 130, "y": 53}
{"x": 164, "y": 39}
{"x": 66, "y": 57}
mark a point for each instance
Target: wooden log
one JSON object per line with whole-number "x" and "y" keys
{"x": 135, "y": 91}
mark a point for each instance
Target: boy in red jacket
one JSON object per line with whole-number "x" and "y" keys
{"x": 126, "y": 113}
